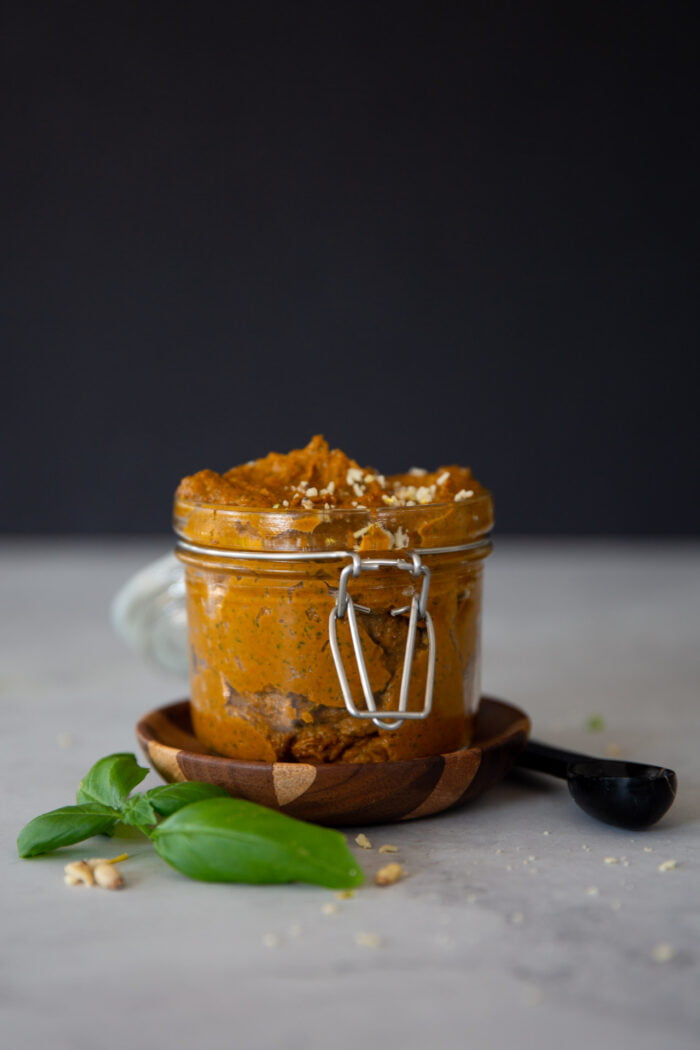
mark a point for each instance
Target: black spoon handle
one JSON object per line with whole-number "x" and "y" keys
{"x": 546, "y": 759}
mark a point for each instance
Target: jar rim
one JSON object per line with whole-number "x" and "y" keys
{"x": 422, "y": 526}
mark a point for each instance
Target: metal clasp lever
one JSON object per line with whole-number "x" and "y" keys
{"x": 418, "y": 613}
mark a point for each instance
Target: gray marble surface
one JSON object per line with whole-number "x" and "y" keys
{"x": 510, "y": 927}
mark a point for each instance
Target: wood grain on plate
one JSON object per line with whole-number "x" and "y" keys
{"x": 343, "y": 793}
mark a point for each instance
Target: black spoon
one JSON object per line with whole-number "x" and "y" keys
{"x": 626, "y": 794}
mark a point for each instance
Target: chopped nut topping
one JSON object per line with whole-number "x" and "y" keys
{"x": 362, "y": 841}
{"x": 400, "y": 538}
{"x": 389, "y": 874}
{"x": 464, "y": 494}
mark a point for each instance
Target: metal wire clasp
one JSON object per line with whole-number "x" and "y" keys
{"x": 418, "y": 612}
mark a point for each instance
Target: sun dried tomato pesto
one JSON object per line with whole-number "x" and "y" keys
{"x": 264, "y": 684}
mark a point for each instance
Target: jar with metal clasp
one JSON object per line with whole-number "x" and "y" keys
{"x": 338, "y": 635}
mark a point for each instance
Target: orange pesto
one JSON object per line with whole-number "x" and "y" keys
{"x": 264, "y": 682}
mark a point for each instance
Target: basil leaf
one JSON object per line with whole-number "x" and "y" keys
{"x": 231, "y": 840}
{"x": 139, "y": 812}
{"x": 110, "y": 780}
{"x": 171, "y": 797}
{"x": 63, "y": 827}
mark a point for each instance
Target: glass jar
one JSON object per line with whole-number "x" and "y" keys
{"x": 338, "y": 635}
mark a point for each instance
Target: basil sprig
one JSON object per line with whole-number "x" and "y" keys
{"x": 231, "y": 840}
{"x": 197, "y": 828}
{"x": 63, "y": 827}
{"x": 111, "y": 780}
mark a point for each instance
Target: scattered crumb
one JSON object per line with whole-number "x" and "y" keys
{"x": 668, "y": 865}
{"x": 386, "y": 848}
{"x": 532, "y": 858}
{"x": 329, "y": 908}
{"x": 532, "y": 995}
{"x": 365, "y": 939}
{"x": 625, "y": 863}
{"x": 545, "y": 833}
{"x": 586, "y": 848}
{"x": 498, "y": 851}
{"x": 295, "y": 929}
{"x": 592, "y": 891}
{"x": 615, "y": 905}
{"x": 64, "y": 740}
{"x": 595, "y": 724}
{"x": 471, "y": 898}
{"x": 517, "y": 917}
{"x": 443, "y": 940}
{"x": 611, "y": 860}
{"x": 613, "y": 750}
{"x": 647, "y": 849}
{"x": 271, "y": 940}
{"x": 662, "y": 953}
{"x": 509, "y": 867}
{"x": 362, "y": 841}
{"x": 389, "y": 874}
{"x": 345, "y": 895}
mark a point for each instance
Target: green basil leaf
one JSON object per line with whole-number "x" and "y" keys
{"x": 63, "y": 827}
{"x": 139, "y": 812}
{"x": 231, "y": 840}
{"x": 169, "y": 798}
{"x": 110, "y": 780}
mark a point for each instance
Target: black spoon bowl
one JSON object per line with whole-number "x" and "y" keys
{"x": 624, "y": 794}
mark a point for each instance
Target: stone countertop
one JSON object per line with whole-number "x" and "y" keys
{"x": 510, "y": 927}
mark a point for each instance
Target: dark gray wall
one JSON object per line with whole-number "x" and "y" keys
{"x": 433, "y": 231}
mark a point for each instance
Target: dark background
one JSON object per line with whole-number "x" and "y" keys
{"x": 435, "y": 232}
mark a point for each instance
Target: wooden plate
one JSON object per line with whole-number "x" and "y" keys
{"x": 343, "y": 793}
